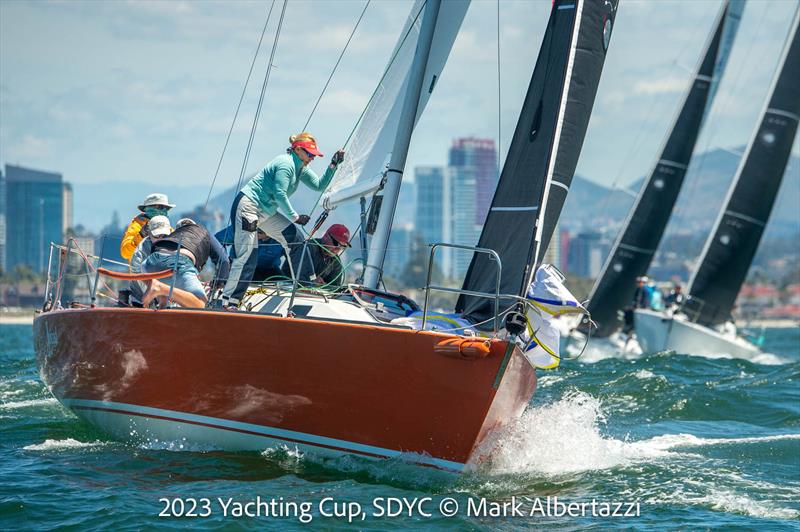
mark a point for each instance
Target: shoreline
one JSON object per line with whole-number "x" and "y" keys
{"x": 17, "y": 318}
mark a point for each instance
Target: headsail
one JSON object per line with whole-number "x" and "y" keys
{"x": 544, "y": 150}
{"x": 641, "y": 233}
{"x": 371, "y": 145}
{"x": 734, "y": 240}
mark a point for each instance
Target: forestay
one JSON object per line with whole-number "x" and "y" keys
{"x": 544, "y": 151}
{"x": 371, "y": 145}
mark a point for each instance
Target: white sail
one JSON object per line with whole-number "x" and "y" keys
{"x": 370, "y": 148}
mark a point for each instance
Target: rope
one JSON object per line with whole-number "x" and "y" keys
{"x": 238, "y": 107}
{"x": 336, "y": 65}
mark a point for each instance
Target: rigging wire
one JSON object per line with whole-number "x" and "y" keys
{"x": 238, "y": 107}
{"x": 261, "y": 97}
{"x": 499, "y": 95}
{"x": 372, "y": 96}
{"x": 336, "y": 65}
{"x": 682, "y": 207}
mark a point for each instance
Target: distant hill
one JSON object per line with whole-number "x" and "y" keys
{"x": 591, "y": 205}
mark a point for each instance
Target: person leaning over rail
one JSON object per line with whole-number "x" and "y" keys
{"x": 193, "y": 245}
{"x": 321, "y": 264}
{"x": 263, "y": 203}
{"x": 157, "y": 227}
{"x": 153, "y": 205}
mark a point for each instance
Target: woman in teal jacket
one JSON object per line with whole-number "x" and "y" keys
{"x": 263, "y": 203}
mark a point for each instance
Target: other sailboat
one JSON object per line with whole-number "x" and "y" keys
{"x": 704, "y": 326}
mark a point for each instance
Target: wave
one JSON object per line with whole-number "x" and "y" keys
{"x": 565, "y": 437}
{"x": 60, "y": 445}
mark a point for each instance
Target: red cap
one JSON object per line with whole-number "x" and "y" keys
{"x": 339, "y": 234}
{"x": 309, "y": 145}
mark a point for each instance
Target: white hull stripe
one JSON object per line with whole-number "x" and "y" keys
{"x": 672, "y": 163}
{"x": 271, "y": 432}
{"x": 781, "y": 112}
{"x": 745, "y": 218}
{"x": 637, "y": 249}
{"x": 515, "y": 209}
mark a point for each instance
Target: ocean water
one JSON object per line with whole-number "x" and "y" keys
{"x": 678, "y": 440}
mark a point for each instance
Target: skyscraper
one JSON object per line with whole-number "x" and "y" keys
{"x": 480, "y": 158}
{"x": 432, "y": 210}
{"x": 35, "y": 215}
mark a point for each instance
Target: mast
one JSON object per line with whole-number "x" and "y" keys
{"x": 637, "y": 242}
{"x": 394, "y": 175}
{"x": 733, "y": 242}
{"x": 543, "y": 153}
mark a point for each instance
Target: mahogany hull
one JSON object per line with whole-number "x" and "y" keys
{"x": 246, "y": 381}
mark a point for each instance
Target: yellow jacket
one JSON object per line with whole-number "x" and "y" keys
{"x": 132, "y": 237}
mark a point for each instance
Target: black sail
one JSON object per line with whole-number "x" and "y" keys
{"x": 641, "y": 233}
{"x": 734, "y": 240}
{"x": 544, "y": 150}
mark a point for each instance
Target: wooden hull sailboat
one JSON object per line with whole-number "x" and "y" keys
{"x": 241, "y": 381}
{"x": 329, "y": 373}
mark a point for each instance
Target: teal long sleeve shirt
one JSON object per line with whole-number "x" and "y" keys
{"x": 271, "y": 187}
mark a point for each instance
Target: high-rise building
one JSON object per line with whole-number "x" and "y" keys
{"x": 461, "y": 216}
{"x": 398, "y": 253}
{"x": 587, "y": 251}
{"x": 432, "y": 211}
{"x": 67, "y": 202}
{"x": 480, "y": 157}
{"x": 34, "y": 216}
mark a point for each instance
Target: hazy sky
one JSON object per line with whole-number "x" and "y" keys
{"x": 126, "y": 90}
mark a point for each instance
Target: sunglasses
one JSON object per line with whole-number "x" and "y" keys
{"x": 309, "y": 154}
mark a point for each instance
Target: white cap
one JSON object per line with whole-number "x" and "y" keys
{"x": 159, "y": 226}
{"x": 156, "y": 199}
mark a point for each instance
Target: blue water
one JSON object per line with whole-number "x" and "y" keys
{"x": 697, "y": 442}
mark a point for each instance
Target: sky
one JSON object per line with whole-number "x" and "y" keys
{"x": 145, "y": 91}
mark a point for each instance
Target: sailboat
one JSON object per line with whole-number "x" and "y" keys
{"x": 638, "y": 240}
{"x": 329, "y": 373}
{"x": 704, "y": 325}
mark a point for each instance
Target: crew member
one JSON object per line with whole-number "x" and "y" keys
{"x": 153, "y": 205}
{"x": 675, "y": 297}
{"x": 321, "y": 264}
{"x": 157, "y": 227}
{"x": 185, "y": 251}
{"x": 263, "y": 203}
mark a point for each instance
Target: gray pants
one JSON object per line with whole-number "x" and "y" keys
{"x": 245, "y": 244}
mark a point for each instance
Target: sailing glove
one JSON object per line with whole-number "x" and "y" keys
{"x": 302, "y": 219}
{"x": 337, "y": 158}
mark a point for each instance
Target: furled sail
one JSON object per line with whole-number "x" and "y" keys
{"x": 734, "y": 240}
{"x": 544, "y": 150}
{"x": 371, "y": 145}
{"x": 641, "y": 233}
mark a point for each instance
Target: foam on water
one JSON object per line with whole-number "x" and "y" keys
{"x": 565, "y": 437}
{"x": 27, "y": 403}
{"x": 60, "y": 445}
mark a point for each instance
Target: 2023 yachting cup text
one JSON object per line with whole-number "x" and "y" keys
{"x": 392, "y": 507}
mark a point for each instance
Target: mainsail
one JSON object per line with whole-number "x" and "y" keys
{"x": 638, "y": 240}
{"x": 734, "y": 240}
{"x": 544, "y": 150}
{"x": 371, "y": 146}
